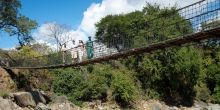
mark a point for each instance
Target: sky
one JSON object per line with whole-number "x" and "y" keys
{"x": 79, "y": 15}
{"x": 69, "y": 12}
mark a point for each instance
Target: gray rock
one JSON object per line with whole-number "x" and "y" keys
{"x": 200, "y": 104}
{"x": 173, "y": 108}
{"x": 91, "y": 104}
{"x": 59, "y": 99}
{"x": 41, "y": 106}
{"x": 63, "y": 106}
{"x": 216, "y": 107}
{"x": 156, "y": 107}
{"x": 32, "y": 98}
{"x": 213, "y": 107}
{"x": 38, "y": 97}
{"x": 5, "y": 104}
{"x": 24, "y": 99}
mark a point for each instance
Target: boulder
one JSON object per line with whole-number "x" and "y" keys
{"x": 38, "y": 97}
{"x": 41, "y": 106}
{"x": 31, "y": 98}
{"x": 24, "y": 99}
{"x": 212, "y": 107}
{"x": 62, "y": 103}
{"x": 5, "y": 104}
{"x": 156, "y": 107}
{"x": 59, "y": 99}
{"x": 173, "y": 108}
{"x": 64, "y": 106}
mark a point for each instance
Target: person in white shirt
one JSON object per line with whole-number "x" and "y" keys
{"x": 81, "y": 50}
{"x": 64, "y": 53}
{"x": 74, "y": 53}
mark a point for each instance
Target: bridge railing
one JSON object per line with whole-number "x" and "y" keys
{"x": 200, "y": 16}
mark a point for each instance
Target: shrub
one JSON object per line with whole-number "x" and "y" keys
{"x": 124, "y": 88}
{"x": 74, "y": 84}
{"x": 153, "y": 94}
{"x": 202, "y": 92}
{"x": 94, "y": 88}
{"x": 4, "y": 94}
{"x": 216, "y": 95}
{"x": 104, "y": 71}
{"x": 67, "y": 80}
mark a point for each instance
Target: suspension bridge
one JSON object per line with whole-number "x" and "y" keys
{"x": 201, "y": 16}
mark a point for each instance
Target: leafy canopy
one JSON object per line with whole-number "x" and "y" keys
{"x": 139, "y": 28}
{"x": 12, "y": 22}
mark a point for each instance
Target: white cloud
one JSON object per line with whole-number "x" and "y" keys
{"x": 96, "y": 11}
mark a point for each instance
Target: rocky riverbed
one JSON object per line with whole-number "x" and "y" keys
{"x": 38, "y": 100}
{"x": 35, "y": 100}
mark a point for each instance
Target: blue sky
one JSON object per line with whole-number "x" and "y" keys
{"x": 69, "y": 12}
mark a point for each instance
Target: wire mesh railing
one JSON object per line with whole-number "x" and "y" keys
{"x": 195, "y": 18}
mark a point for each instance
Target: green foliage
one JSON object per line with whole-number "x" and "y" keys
{"x": 55, "y": 58}
{"x": 125, "y": 90}
{"x": 74, "y": 84}
{"x": 67, "y": 80}
{"x": 174, "y": 69}
{"x": 104, "y": 71}
{"x": 202, "y": 92}
{"x": 153, "y": 94}
{"x": 41, "y": 48}
{"x": 170, "y": 73}
{"x": 212, "y": 79}
{"x": 139, "y": 28}
{"x": 216, "y": 95}
{"x": 216, "y": 92}
{"x": 4, "y": 94}
{"x": 93, "y": 89}
{"x": 26, "y": 57}
{"x": 81, "y": 85}
{"x": 181, "y": 70}
{"x": 27, "y": 52}
{"x": 9, "y": 12}
{"x": 14, "y": 23}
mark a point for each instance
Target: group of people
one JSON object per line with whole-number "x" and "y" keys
{"x": 79, "y": 52}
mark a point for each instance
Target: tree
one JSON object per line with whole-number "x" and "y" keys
{"x": 59, "y": 33}
{"x": 41, "y": 48}
{"x": 139, "y": 28}
{"x": 12, "y": 22}
{"x": 28, "y": 52}
{"x": 163, "y": 73}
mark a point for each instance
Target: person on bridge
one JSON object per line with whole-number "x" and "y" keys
{"x": 89, "y": 48}
{"x": 74, "y": 53}
{"x": 81, "y": 50}
{"x": 64, "y": 52}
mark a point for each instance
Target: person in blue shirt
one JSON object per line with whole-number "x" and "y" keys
{"x": 89, "y": 48}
